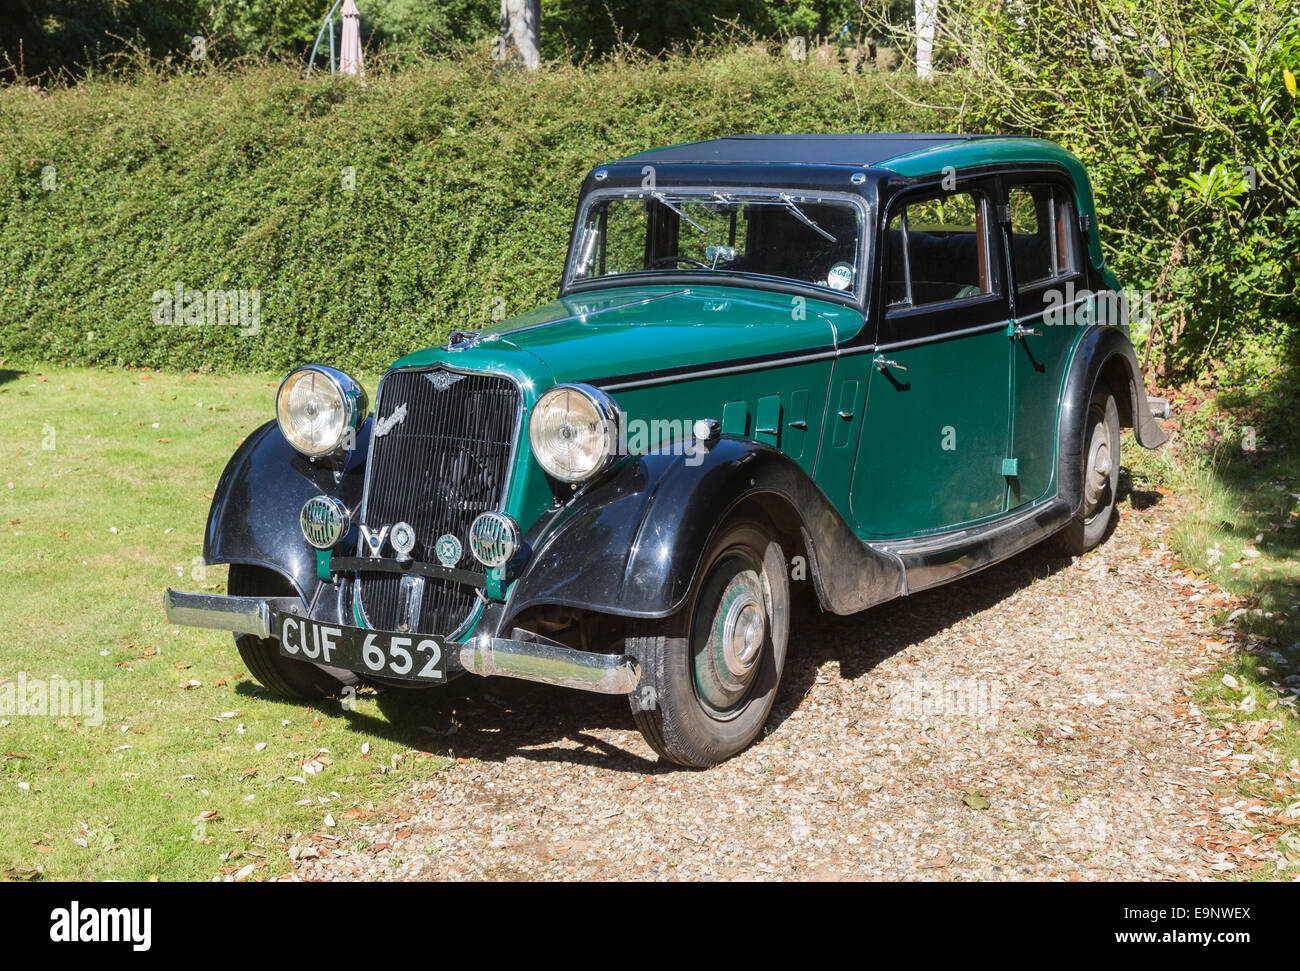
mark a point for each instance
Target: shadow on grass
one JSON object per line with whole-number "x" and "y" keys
{"x": 1137, "y": 498}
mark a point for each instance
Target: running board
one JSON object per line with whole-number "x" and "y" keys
{"x": 933, "y": 560}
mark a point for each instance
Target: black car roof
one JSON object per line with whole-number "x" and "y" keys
{"x": 855, "y": 150}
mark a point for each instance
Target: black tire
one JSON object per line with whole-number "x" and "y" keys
{"x": 290, "y": 679}
{"x": 1101, "y": 460}
{"x": 700, "y": 700}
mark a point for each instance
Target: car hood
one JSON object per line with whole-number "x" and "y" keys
{"x": 638, "y": 330}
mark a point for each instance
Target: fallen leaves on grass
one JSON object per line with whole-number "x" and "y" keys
{"x": 316, "y": 763}
{"x": 15, "y": 874}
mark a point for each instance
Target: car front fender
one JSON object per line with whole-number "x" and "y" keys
{"x": 632, "y": 544}
{"x": 257, "y": 501}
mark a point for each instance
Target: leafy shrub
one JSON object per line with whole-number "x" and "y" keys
{"x": 465, "y": 183}
{"x": 1186, "y": 115}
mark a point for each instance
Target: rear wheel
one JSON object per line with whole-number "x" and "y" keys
{"x": 710, "y": 673}
{"x": 1100, "y": 475}
{"x": 290, "y": 679}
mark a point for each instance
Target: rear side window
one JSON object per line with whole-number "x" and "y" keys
{"x": 1044, "y": 245}
{"x": 938, "y": 250}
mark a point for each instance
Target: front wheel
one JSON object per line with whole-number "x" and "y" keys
{"x": 290, "y": 679}
{"x": 1100, "y": 475}
{"x": 710, "y": 673}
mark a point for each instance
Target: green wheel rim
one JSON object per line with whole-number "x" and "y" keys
{"x": 729, "y": 637}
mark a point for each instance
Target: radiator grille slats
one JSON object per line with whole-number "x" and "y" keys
{"x": 443, "y": 459}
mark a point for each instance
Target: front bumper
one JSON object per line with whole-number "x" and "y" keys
{"x": 541, "y": 661}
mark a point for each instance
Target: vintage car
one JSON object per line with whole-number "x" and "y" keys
{"x": 868, "y": 363}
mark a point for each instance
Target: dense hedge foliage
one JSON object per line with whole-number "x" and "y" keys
{"x": 1187, "y": 115}
{"x": 232, "y": 178}
{"x": 465, "y": 183}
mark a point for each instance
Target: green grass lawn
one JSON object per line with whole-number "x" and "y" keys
{"x": 1237, "y": 454}
{"x": 105, "y": 482}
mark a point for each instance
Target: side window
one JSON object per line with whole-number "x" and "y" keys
{"x": 1044, "y": 245}
{"x": 938, "y": 250}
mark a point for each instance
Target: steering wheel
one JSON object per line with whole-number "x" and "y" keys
{"x": 678, "y": 258}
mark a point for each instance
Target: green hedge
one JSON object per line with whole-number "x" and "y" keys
{"x": 465, "y": 183}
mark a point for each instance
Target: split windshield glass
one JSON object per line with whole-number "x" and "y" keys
{"x": 806, "y": 239}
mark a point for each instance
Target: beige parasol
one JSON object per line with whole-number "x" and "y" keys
{"x": 350, "y": 56}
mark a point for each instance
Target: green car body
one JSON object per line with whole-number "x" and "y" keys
{"x": 899, "y": 359}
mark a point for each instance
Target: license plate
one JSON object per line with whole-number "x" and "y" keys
{"x": 409, "y": 657}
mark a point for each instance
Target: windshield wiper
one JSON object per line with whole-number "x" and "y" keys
{"x": 663, "y": 199}
{"x": 802, "y": 216}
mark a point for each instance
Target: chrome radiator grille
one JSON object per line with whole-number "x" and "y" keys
{"x": 443, "y": 457}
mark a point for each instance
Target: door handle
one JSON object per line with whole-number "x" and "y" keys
{"x": 885, "y": 364}
{"x": 1021, "y": 331}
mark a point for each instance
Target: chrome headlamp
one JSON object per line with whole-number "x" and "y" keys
{"x": 573, "y": 429}
{"x": 319, "y": 409}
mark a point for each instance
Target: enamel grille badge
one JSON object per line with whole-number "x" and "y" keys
{"x": 403, "y": 539}
{"x": 401, "y": 536}
{"x": 442, "y": 380}
{"x": 448, "y": 550}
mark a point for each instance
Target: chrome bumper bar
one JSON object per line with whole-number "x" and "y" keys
{"x": 606, "y": 674}
{"x": 547, "y": 663}
{"x": 243, "y": 615}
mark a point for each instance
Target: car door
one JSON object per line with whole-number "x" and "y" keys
{"x": 1048, "y": 305}
{"x": 935, "y": 435}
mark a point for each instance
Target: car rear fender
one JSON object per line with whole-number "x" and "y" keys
{"x": 1102, "y": 354}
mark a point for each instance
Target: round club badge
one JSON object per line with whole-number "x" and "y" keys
{"x": 403, "y": 539}
{"x": 448, "y": 550}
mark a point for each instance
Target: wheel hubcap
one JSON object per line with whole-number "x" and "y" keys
{"x": 742, "y": 635}
{"x": 729, "y": 639}
{"x": 1099, "y": 468}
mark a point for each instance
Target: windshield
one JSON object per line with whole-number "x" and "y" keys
{"x": 807, "y": 239}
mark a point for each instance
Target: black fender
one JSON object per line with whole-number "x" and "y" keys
{"x": 1102, "y": 352}
{"x": 257, "y": 501}
{"x": 631, "y": 543}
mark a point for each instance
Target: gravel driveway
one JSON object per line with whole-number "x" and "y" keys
{"x": 1033, "y": 721}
